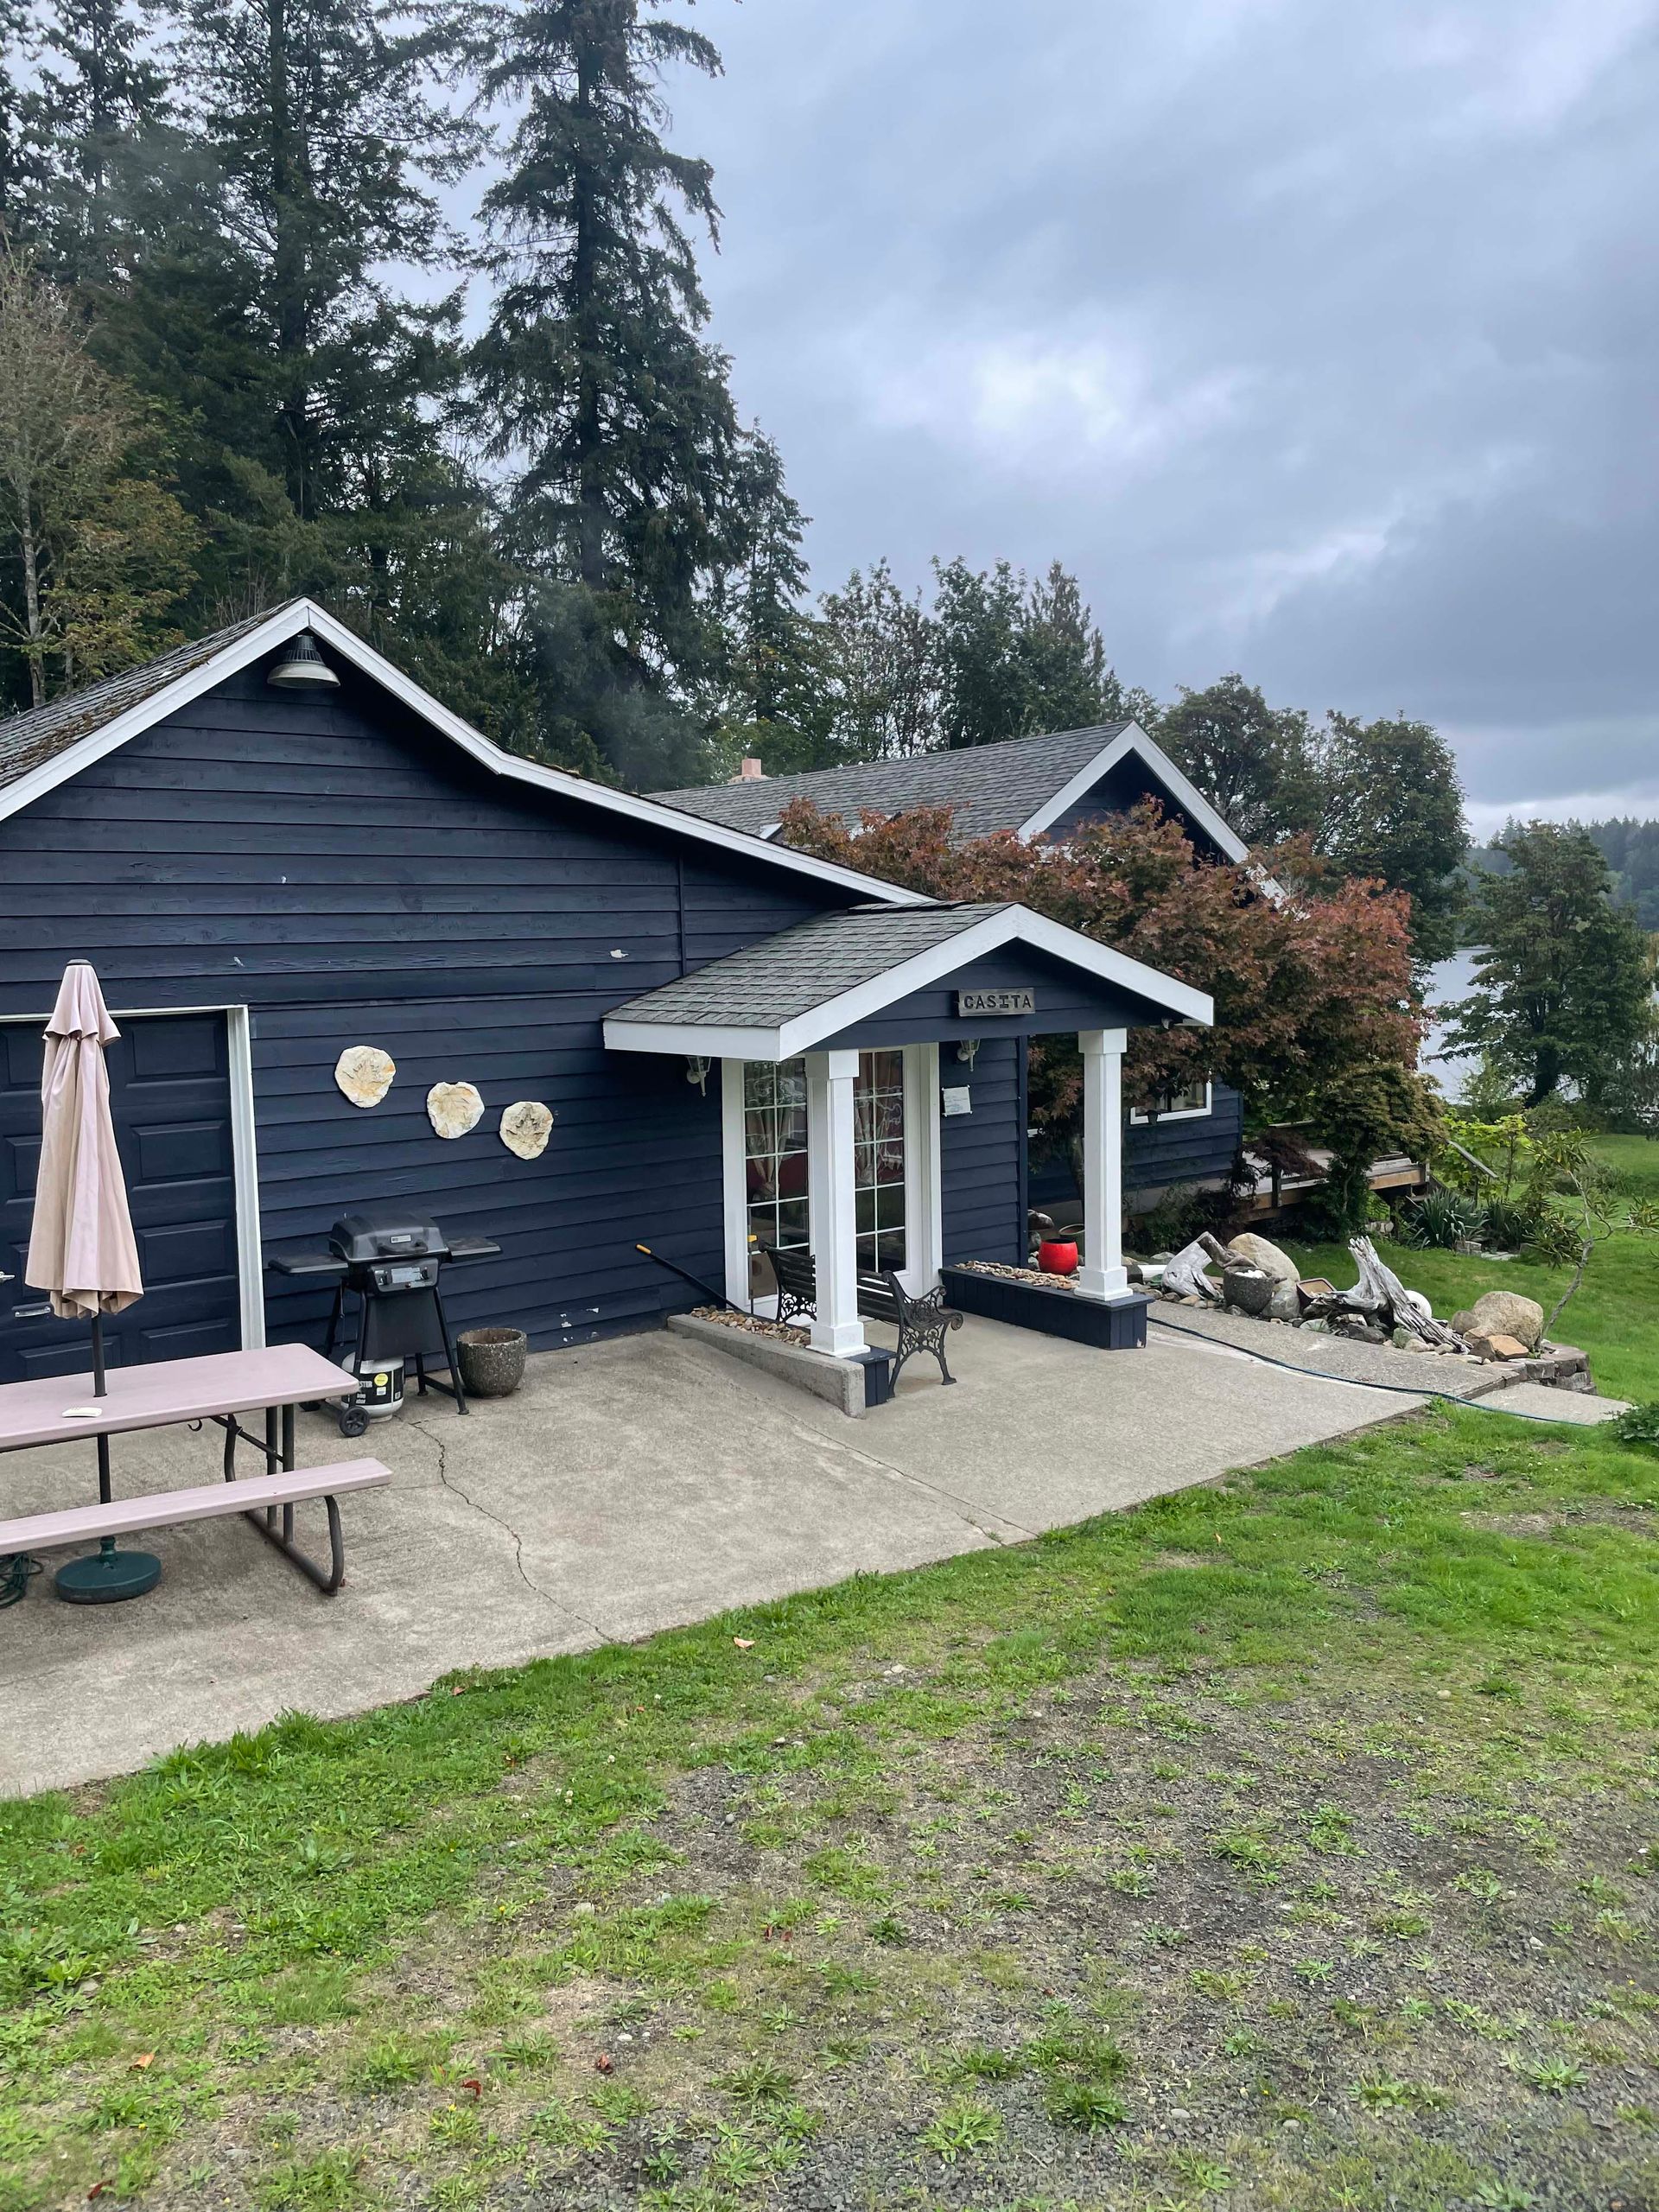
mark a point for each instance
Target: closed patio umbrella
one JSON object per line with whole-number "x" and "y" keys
{"x": 81, "y": 1249}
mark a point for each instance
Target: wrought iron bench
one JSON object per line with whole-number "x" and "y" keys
{"x": 922, "y": 1322}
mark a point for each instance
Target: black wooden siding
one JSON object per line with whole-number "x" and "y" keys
{"x": 980, "y": 1193}
{"x": 1065, "y": 1000}
{"x": 1195, "y": 1150}
{"x": 1117, "y": 793}
{"x": 353, "y": 879}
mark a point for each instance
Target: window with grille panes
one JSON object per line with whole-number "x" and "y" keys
{"x": 775, "y": 1159}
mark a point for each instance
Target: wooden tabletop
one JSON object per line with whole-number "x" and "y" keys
{"x": 170, "y": 1390}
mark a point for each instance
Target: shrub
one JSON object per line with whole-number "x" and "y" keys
{"x": 1638, "y": 1424}
{"x": 1440, "y": 1220}
{"x": 1509, "y": 1224}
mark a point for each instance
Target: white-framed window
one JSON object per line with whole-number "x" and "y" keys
{"x": 775, "y": 1161}
{"x": 1186, "y": 1104}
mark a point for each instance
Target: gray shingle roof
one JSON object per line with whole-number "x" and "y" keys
{"x": 28, "y": 739}
{"x": 990, "y": 787}
{"x": 783, "y": 976}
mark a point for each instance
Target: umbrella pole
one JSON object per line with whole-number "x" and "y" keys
{"x": 99, "y": 1390}
{"x": 107, "y": 1576}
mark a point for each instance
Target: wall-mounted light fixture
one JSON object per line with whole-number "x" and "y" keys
{"x": 966, "y": 1050}
{"x": 302, "y": 667}
{"x": 696, "y": 1070}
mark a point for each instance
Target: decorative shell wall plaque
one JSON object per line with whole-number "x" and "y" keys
{"x": 525, "y": 1128}
{"x": 454, "y": 1108}
{"x": 363, "y": 1072}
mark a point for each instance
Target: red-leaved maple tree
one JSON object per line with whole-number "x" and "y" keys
{"x": 1316, "y": 1023}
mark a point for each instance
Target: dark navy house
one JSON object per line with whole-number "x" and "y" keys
{"x": 736, "y": 1042}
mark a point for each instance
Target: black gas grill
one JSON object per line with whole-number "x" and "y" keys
{"x": 391, "y": 1262}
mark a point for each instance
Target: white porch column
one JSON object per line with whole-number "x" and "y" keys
{"x": 831, "y": 1184}
{"x": 1102, "y": 1275}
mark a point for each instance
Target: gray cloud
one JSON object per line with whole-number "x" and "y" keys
{"x": 1319, "y": 340}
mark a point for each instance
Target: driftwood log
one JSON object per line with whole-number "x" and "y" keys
{"x": 1184, "y": 1276}
{"x": 1380, "y": 1296}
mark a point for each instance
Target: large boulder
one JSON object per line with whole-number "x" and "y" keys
{"x": 1502, "y": 1313}
{"x": 1258, "y": 1252}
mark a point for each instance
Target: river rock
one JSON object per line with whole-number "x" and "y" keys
{"x": 1259, "y": 1252}
{"x": 364, "y": 1073}
{"x": 1502, "y": 1313}
{"x": 1286, "y": 1303}
{"x": 452, "y": 1109}
{"x": 525, "y": 1128}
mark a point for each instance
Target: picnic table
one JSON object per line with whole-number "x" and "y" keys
{"x": 219, "y": 1387}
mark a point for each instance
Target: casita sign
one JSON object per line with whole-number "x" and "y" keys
{"x": 994, "y": 1003}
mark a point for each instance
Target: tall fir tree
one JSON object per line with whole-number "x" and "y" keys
{"x": 103, "y": 92}
{"x": 595, "y": 385}
{"x": 774, "y": 701}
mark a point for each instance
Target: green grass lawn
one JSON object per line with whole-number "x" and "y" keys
{"x": 1289, "y": 1844}
{"x": 1614, "y": 1317}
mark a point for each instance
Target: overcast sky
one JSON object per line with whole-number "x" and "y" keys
{"x": 1317, "y": 338}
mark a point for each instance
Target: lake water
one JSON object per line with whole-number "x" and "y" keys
{"x": 1450, "y": 979}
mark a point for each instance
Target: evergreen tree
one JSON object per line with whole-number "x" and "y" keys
{"x": 101, "y": 93}
{"x": 1563, "y": 984}
{"x": 1018, "y": 659}
{"x": 776, "y": 704}
{"x": 22, "y": 160}
{"x": 595, "y": 385}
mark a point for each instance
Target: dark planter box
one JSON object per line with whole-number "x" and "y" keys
{"x": 1118, "y": 1326}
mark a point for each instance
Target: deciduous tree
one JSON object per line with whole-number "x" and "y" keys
{"x": 1254, "y": 762}
{"x": 1392, "y": 809}
{"x": 101, "y": 551}
{"x": 1315, "y": 1020}
{"x": 1563, "y": 982}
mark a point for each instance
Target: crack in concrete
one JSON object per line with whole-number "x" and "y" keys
{"x": 964, "y": 1507}
{"x": 456, "y": 1490}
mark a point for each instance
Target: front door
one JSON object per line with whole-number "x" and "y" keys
{"x": 170, "y": 1097}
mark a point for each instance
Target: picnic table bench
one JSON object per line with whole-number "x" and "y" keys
{"x": 217, "y": 1388}
{"x": 922, "y": 1322}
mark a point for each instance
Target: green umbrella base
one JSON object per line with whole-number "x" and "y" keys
{"x": 107, "y": 1576}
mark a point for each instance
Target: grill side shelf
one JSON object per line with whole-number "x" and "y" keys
{"x": 306, "y": 1263}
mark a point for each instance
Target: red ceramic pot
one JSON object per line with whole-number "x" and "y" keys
{"x": 1058, "y": 1259}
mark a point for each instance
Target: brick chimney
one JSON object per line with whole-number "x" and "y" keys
{"x": 749, "y": 770}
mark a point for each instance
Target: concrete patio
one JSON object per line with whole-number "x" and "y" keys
{"x": 629, "y": 1486}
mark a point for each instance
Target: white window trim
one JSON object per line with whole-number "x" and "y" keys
{"x": 244, "y": 1164}
{"x": 1181, "y": 1114}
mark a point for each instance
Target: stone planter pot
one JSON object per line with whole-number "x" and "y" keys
{"x": 1247, "y": 1292}
{"x": 491, "y": 1361}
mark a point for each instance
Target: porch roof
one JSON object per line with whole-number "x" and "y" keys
{"x": 821, "y": 978}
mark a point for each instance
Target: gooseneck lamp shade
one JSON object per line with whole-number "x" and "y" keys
{"x": 302, "y": 668}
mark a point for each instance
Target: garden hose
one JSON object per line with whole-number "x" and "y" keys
{"x": 1353, "y": 1383}
{"x": 17, "y": 1571}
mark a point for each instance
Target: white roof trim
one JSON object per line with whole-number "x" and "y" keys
{"x": 302, "y": 615}
{"x": 1187, "y": 795}
{"x": 1013, "y": 925}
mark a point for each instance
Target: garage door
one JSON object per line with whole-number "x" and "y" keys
{"x": 170, "y": 1092}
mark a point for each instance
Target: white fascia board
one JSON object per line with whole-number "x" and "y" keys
{"x": 1158, "y": 764}
{"x": 1013, "y": 925}
{"x": 579, "y": 788}
{"x": 286, "y": 622}
{"x": 694, "y": 1039}
{"x": 303, "y": 614}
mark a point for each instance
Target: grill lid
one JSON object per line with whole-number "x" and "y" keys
{"x": 385, "y": 1235}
